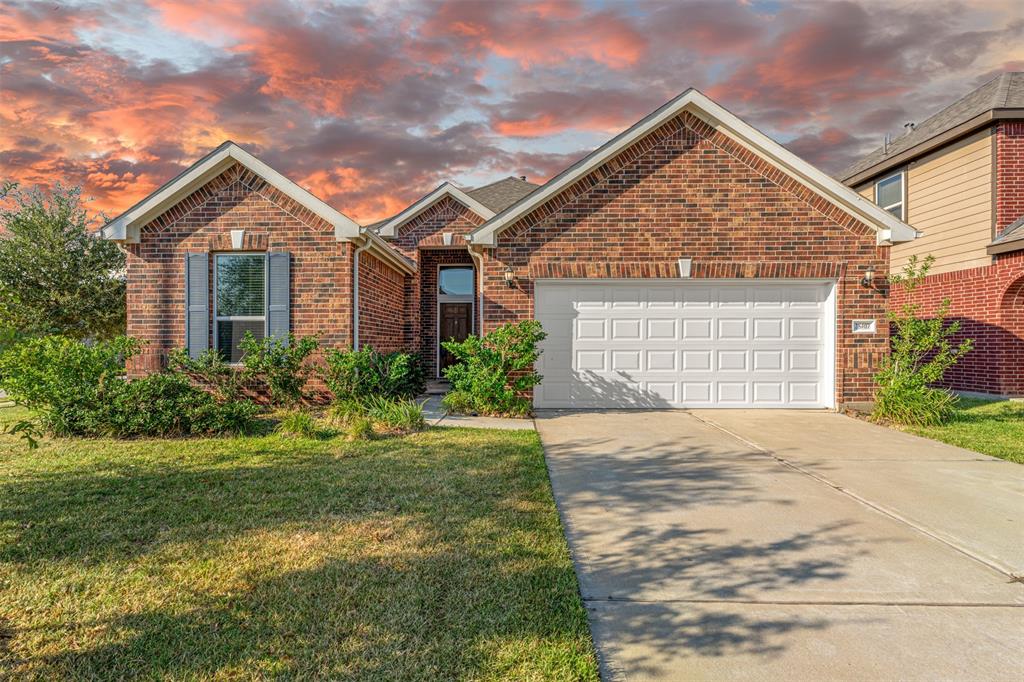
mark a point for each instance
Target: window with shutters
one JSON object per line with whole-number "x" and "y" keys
{"x": 240, "y": 286}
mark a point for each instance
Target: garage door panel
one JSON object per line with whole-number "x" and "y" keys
{"x": 729, "y": 344}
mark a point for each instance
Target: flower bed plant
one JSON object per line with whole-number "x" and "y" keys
{"x": 494, "y": 374}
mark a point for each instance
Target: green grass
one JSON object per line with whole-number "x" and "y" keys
{"x": 433, "y": 556}
{"x": 992, "y": 428}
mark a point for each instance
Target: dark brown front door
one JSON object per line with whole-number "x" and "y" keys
{"x": 455, "y": 324}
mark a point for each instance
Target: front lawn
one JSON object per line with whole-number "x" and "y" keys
{"x": 992, "y": 428}
{"x": 432, "y": 556}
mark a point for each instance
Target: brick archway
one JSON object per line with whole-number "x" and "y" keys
{"x": 1011, "y": 317}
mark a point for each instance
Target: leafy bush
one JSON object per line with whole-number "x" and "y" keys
{"x": 167, "y": 404}
{"x": 63, "y": 380}
{"x": 495, "y": 374}
{"x": 209, "y": 371}
{"x": 366, "y": 372}
{"x": 395, "y": 415}
{"x": 279, "y": 364}
{"x": 922, "y": 350}
{"x": 76, "y": 390}
{"x": 298, "y": 423}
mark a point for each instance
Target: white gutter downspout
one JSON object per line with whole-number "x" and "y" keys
{"x": 355, "y": 291}
{"x": 478, "y": 258}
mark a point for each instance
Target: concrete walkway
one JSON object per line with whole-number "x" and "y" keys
{"x": 797, "y": 545}
{"x": 436, "y": 415}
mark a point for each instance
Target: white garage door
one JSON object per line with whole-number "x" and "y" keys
{"x": 697, "y": 343}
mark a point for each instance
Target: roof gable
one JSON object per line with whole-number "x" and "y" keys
{"x": 389, "y": 228}
{"x": 887, "y": 226}
{"x": 128, "y": 225}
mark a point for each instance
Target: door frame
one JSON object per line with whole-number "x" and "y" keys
{"x": 830, "y": 318}
{"x": 450, "y": 298}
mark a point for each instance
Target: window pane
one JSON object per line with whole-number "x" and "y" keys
{"x": 240, "y": 286}
{"x": 897, "y": 211}
{"x": 890, "y": 191}
{"x": 455, "y": 281}
{"x": 230, "y": 333}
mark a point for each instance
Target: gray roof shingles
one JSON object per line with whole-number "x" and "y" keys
{"x": 499, "y": 195}
{"x": 1005, "y": 91}
{"x": 496, "y": 196}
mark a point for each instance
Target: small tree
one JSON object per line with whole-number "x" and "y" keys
{"x": 922, "y": 351}
{"x": 56, "y": 275}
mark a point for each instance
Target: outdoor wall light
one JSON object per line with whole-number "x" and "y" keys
{"x": 868, "y": 282}
{"x": 510, "y": 276}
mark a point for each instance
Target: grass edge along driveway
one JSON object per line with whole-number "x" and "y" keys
{"x": 438, "y": 555}
{"x": 991, "y": 427}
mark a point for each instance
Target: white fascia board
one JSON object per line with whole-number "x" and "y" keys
{"x": 721, "y": 119}
{"x": 204, "y": 170}
{"x": 390, "y": 228}
{"x": 385, "y": 252}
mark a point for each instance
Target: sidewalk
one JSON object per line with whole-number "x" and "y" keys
{"x": 436, "y": 415}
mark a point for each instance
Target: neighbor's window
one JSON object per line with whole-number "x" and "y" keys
{"x": 240, "y": 281}
{"x": 889, "y": 194}
{"x": 456, "y": 281}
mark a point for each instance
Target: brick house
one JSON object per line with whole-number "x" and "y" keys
{"x": 958, "y": 178}
{"x": 690, "y": 261}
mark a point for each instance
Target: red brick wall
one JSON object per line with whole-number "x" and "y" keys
{"x": 687, "y": 190}
{"x": 1009, "y": 173}
{"x": 321, "y": 267}
{"x": 382, "y": 292}
{"x": 989, "y": 303}
{"x": 428, "y": 228}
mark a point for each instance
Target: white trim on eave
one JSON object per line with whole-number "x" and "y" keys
{"x": 126, "y": 227}
{"x": 390, "y": 228}
{"x": 889, "y": 228}
{"x": 385, "y": 252}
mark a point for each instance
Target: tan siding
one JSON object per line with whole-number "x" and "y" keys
{"x": 949, "y": 198}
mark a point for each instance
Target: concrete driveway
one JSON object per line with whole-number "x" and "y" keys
{"x": 798, "y": 545}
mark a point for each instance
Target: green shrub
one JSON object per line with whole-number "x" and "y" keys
{"x": 395, "y": 415}
{"x": 209, "y": 371}
{"x": 234, "y": 417}
{"x": 922, "y": 350}
{"x": 76, "y": 390}
{"x": 366, "y": 372}
{"x": 63, "y": 380}
{"x": 494, "y": 374}
{"x": 280, "y": 364}
{"x": 361, "y": 428}
{"x": 298, "y": 423}
{"x": 167, "y": 404}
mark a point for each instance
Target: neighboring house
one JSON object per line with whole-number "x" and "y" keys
{"x": 958, "y": 178}
{"x": 690, "y": 261}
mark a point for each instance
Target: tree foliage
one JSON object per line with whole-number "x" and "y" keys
{"x": 56, "y": 275}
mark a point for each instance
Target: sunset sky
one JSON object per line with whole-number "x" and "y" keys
{"x": 370, "y": 106}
